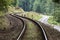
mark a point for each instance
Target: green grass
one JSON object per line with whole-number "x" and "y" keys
{"x": 3, "y": 20}
{"x": 52, "y": 21}
{"x": 32, "y": 15}
{"x": 3, "y": 23}
{"x": 2, "y": 13}
{"x": 12, "y": 9}
{"x": 32, "y": 32}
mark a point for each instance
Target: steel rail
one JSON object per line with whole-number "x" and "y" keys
{"x": 23, "y": 30}
{"x": 42, "y": 29}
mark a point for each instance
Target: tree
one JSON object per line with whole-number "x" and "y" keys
{"x": 4, "y": 4}
{"x": 57, "y": 12}
{"x": 26, "y": 4}
{"x": 3, "y": 9}
{"x": 45, "y": 6}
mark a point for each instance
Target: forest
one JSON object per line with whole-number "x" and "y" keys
{"x": 47, "y": 7}
{"x": 40, "y": 6}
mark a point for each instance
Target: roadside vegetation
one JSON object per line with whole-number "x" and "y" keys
{"x": 4, "y": 24}
{"x": 32, "y": 15}
{"x": 51, "y": 20}
{"x": 12, "y": 9}
{"x": 3, "y": 10}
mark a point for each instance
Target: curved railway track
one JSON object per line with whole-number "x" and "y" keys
{"x": 16, "y": 29}
{"x": 42, "y": 30}
{"x": 23, "y": 29}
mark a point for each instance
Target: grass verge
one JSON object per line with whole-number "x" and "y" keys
{"x": 32, "y": 15}
{"x": 3, "y": 23}
{"x": 52, "y": 21}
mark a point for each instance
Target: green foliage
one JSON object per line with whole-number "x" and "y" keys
{"x": 4, "y": 24}
{"x": 56, "y": 1}
{"x": 32, "y": 15}
{"x": 51, "y": 20}
{"x": 43, "y": 6}
{"x": 26, "y": 4}
{"x": 17, "y": 3}
{"x": 57, "y": 12}
{"x": 4, "y": 4}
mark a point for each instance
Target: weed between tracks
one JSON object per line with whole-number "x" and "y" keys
{"x": 32, "y": 32}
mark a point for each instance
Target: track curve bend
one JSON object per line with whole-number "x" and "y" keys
{"x": 23, "y": 29}
{"x": 42, "y": 30}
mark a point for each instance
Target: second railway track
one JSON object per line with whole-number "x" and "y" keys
{"x": 38, "y": 30}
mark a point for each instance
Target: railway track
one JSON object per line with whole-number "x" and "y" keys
{"x": 23, "y": 29}
{"x": 16, "y": 29}
{"x": 42, "y": 30}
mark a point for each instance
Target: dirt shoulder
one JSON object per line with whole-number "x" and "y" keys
{"x": 13, "y": 29}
